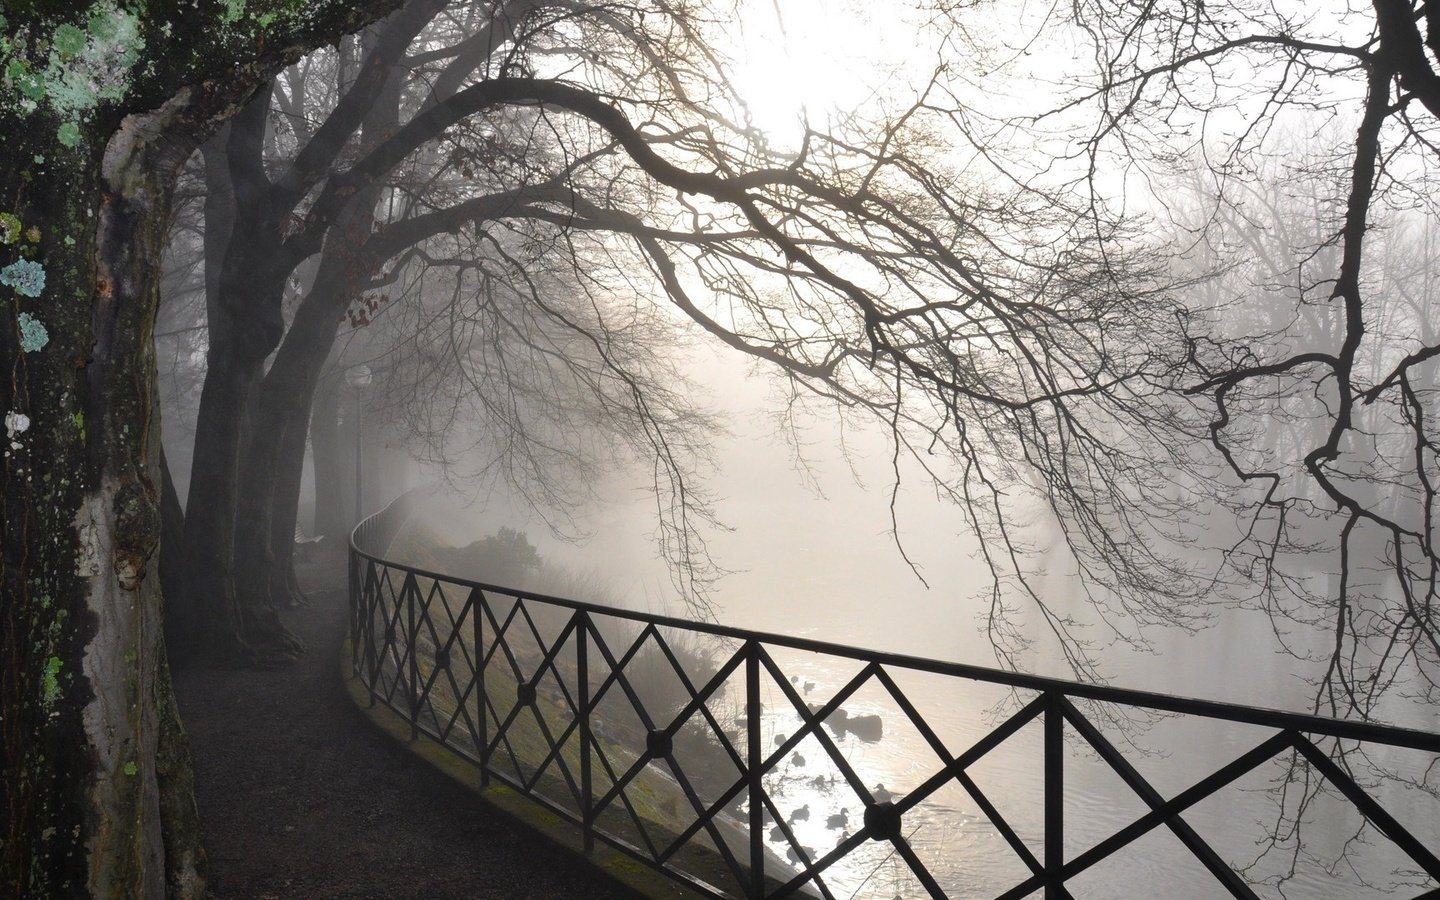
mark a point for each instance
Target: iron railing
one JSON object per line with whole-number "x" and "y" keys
{"x": 547, "y": 695}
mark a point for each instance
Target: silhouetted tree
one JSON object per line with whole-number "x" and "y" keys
{"x": 239, "y": 543}
{"x": 99, "y": 105}
{"x": 1316, "y": 388}
{"x": 505, "y": 558}
{"x": 974, "y": 322}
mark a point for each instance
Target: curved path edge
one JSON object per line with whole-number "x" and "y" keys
{"x": 302, "y": 797}
{"x": 528, "y": 814}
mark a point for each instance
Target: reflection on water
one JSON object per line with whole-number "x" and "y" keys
{"x": 868, "y": 751}
{"x": 966, "y": 851}
{"x": 838, "y": 740}
{"x": 824, "y": 567}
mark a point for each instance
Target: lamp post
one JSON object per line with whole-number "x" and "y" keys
{"x": 358, "y": 377}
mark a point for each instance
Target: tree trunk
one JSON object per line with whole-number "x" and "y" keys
{"x": 96, "y": 768}
{"x": 284, "y": 515}
{"x": 212, "y": 620}
{"x": 273, "y": 462}
{"x": 172, "y": 531}
{"x": 275, "y": 458}
{"x": 276, "y": 455}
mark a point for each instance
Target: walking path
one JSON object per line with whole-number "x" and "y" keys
{"x": 302, "y": 797}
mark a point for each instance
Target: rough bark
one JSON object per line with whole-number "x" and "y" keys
{"x": 215, "y": 622}
{"x": 95, "y": 782}
{"x": 94, "y": 758}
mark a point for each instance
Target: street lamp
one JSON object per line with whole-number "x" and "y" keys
{"x": 358, "y": 377}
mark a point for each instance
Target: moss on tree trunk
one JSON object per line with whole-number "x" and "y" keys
{"x": 94, "y": 769}
{"x": 95, "y": 761}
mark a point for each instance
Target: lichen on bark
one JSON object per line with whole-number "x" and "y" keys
{"x": 94, "y": 771}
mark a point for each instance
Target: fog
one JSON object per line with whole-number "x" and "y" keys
{"x": 919, "y": 348}
{"x": 809, "y": 550}
{"x": 813, "y": 556}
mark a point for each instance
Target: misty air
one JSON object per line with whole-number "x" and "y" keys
{"x": 720, "y": 449}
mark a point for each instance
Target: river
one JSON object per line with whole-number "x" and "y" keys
{"x": 821, "y": 564}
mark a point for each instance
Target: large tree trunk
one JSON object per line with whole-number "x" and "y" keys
{"x": 238, "y": 574}
{"x": 274, "y": 459}
{"x": 284, "y": 514}
{"x": 172, "y": 531}
{"x": 213, "y": 621}
{"x": 96, "y": 769}
{"x": 217, "y": 623}
{"x": 276, "y": 454}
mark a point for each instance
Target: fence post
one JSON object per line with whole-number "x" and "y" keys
{"x": 370, "y": 602}
{"x": 753, "y": 753}
{"x": 1054, "y": 797}
{"x": 412, "y": 636}
{"x": 477, "y": 622}
{"x": 582, "y": 669}
{"x": 353, "y": 595}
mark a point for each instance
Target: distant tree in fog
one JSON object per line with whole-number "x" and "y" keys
{"x": 504, "y": 558}
{"x": 1302, "y": 137}
{"x": 972, "y": 279}
{"x": 1308, "y": 132}
{"x": 970, "y": 318}
{"x": 1269, "y": 250}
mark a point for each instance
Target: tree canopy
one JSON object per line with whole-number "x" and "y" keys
{"x": 1052, "y": 267}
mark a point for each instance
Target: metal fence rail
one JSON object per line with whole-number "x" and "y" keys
{"x": 546, "y": 695}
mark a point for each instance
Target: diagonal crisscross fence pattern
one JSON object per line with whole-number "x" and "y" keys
{"x": 559, "y": 700}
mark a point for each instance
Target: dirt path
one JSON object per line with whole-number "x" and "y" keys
{"x": 301, "y": 797}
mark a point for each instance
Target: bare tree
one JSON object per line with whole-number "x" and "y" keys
{"x": 277, "y": 222}
{"x": 1320, "y": 408}
{"x": 998, "y": 342}
{"x": 99, "y": 104}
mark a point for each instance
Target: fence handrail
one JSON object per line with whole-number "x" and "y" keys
{"x": 390, "y": 517}
{"x": 1308, "y": 723}
{"x": 395, "y": 621}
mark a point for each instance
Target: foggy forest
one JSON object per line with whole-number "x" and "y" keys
{"x": 758, "y": 448}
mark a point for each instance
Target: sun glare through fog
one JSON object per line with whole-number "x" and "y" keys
{"x": 816, "y": 62}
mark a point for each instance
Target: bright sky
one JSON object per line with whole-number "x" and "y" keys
{"x": 797, "y": 58}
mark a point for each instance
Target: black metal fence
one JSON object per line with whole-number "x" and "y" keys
{"x": 649, "y": 733}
